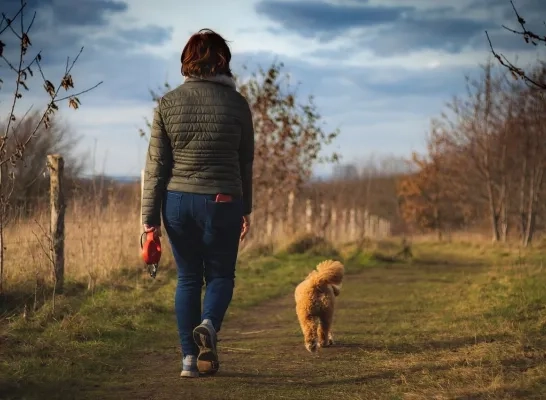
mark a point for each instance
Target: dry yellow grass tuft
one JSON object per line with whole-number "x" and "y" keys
{"x": 99, "y": 241}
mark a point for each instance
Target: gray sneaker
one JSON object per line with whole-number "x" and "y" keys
{"x": 189, "y": 367}
{"x": 205, "y": 337}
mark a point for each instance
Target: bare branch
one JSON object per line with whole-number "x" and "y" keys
{"x": 13, "y": 144}
{"x": 47, "y": 252}
{"x": 78, "y": 93}
{"x": 66, "y": 83}
{"x": 10, "y": 20}
{"x": 11, "y": 116}
{"x": 529, "y": 37}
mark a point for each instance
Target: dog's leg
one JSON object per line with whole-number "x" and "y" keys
{"x": 330, "y": 338}
{"x": 309, "y": 329}
{"x": 325, "y": 328}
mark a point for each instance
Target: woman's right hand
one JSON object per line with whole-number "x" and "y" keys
{"x": 245, "y": 228}
{"x": 155, "y": 229}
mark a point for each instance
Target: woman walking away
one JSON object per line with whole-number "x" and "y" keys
{"x": 198, "y": 177}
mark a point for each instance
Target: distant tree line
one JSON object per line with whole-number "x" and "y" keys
{"x": 485, "y": 161}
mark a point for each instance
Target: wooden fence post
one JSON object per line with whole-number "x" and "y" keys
{"x": 366, "y": 223}
{"x": 290, "y": 213}
{"x": 140, "y": 227}
{"x": 333, "y": 225}
{"x": 344, "y": 224}
{"x": 359, "y": 224}
{"x": 308, "y": 216}
{"x": 55, "y": 164}
{"x": 323, "y": 221}
{"x": 352, "y": 224}
{"x": 375, "y": 226}
{"x": 269, "y": 215}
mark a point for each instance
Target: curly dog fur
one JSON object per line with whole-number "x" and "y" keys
{"x": 315, "y": 298}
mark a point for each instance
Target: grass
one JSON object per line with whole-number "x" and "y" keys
{"x": 463, "y": 320}
{"x": 83, "y": 338}
{"x": 100, "y": 242}
{"x": 421, "y": 331}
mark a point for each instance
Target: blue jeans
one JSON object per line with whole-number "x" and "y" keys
{"x": 204, "y": 236}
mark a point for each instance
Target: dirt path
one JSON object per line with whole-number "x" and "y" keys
{"x": 399, "y": 335}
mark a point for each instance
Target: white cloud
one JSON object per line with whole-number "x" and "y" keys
{"x": 250, "y": 33}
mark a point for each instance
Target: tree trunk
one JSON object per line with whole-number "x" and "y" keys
{"x": 529, "y": 216}
{"x": 493, "y": 211}
{"x": 504, "y": 222}
{"x": 437, "y": 223}
{"x": 503, "y": 197}
{"x": 523, "y": 184}
{"x": 535, "y": 185}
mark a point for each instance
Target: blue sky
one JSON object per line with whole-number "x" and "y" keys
{"x": 379, "y": 69}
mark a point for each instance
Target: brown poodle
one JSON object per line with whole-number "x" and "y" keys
{"x": 315, "y": 298}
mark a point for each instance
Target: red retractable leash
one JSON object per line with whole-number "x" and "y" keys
{"x": 151, "y": 252}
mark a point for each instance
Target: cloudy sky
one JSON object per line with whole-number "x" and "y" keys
{"x": 379, "y": 69}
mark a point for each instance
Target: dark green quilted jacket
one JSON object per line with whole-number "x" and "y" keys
{"x": 202, "y": 141}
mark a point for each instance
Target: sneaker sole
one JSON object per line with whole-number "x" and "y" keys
{"x": 207, "y": 360}
{"x": 189, "y": 374}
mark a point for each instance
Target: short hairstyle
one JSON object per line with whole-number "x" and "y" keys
{"x": 206, "y": 54}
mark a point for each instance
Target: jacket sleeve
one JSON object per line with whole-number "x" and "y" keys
{"x": 246, "y": 158}
{"x": 157, "y": 171}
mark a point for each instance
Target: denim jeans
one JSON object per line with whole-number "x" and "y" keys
{"x": 204, "y": 236}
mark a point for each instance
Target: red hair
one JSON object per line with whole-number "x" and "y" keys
{"x": 206, "y": 54}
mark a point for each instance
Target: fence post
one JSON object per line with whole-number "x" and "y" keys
{"x": 140, "y": 227}
{"x": 308, "y": 216}
{"x": 333, "y": 225}
{"x": 140, "y": 224}
{"x": 290, "y": 213}
{"x": 352, "y": 224}
{"x": 359, "y": 224}
{"x": 344, "y": 225}
{"x": 366, "y": 224}
{"x": 269, "y": 216}
{"x": 55, "y": 164}
{"x": 323, "y": 221}
{"x": 375, "y": 225}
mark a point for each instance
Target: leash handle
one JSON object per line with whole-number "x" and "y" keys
{"x": 151, "y": 252}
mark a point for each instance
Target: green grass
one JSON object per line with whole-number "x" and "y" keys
{"x": 83, "y": 338}
{"x": 461, "y": 321}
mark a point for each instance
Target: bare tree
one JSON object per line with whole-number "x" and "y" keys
{"x": 528, "y": 139}
{"x": 529, "y": 37}
{"x": 488, "y": 159}
{"x": 428, "y": 198}
{"x": 30, "y": 183}
{"x": 13, "y": 148}
{"x": 473, "y": 129}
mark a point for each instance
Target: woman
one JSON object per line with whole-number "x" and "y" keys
{"x": 198, "y": 177}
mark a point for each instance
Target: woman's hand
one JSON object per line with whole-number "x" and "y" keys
{"x": 155, "y": 229}
{"x": 246, "y": 227}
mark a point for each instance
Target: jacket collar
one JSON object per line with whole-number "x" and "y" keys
{"x": 222, "y": 79}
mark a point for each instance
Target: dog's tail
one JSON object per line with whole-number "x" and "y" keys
{"x": 329, "y": 272}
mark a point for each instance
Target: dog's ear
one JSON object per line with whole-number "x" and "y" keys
{"x": 311, "y": 274}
